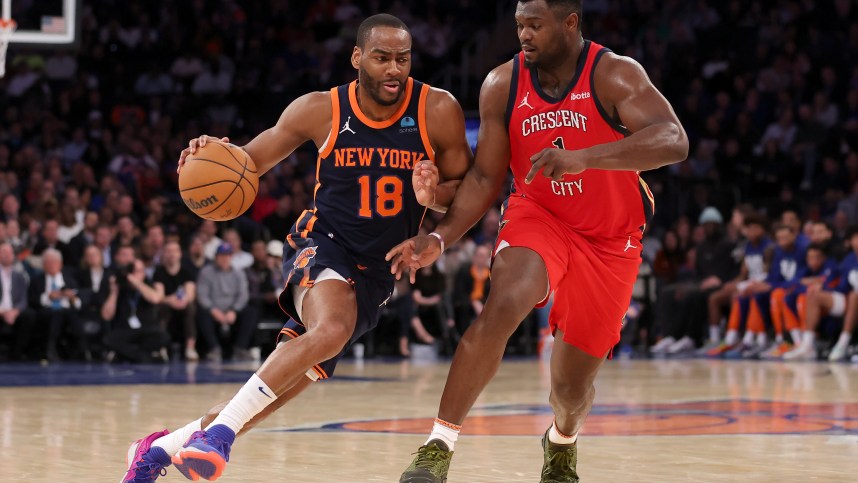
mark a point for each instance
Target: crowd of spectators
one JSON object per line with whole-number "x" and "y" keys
{"x": 92, "y": 223}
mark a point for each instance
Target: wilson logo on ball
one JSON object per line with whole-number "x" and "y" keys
{"x": 203, "y": 203}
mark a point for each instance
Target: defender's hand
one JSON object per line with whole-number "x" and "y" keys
{"x": 412, "y": 254}
{"x": 554, "y": 163}
{"x": 425, "y": 180}
{"x": 193, "y": 144}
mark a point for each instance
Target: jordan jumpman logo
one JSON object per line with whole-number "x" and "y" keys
{"x": 629, "y": 245}
{"x": 346, "y": 126}
{"x": 524, "y": 101}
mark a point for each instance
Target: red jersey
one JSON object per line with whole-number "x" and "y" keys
{"x": 595, "y": 202}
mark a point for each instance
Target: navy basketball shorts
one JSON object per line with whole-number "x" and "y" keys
{"x": 314, "y": 258}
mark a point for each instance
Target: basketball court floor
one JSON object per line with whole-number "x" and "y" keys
{"x": 654, "y": 421}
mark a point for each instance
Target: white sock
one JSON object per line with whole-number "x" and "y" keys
{"x": 731, "y": 337}
{"x": 446, "y": 432}
{"x": 779, "y": 339}
{"x": 795, "y": 335}
{"x": 809, "y": 338}
{"x": 249, "y": 401}
{"x": 748, "y": 339}
{"x": 714, "y": 333}
{"x": 174, "y": 441}
{"x": 843, "y": 340}
{"x": 557, "y": 437}
{"x": 762, "y": 339}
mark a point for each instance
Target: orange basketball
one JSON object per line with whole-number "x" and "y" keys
{"x": 219, "y": 181}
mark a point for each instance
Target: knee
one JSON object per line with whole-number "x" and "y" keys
{"x": 501, "y": 316}
{"x": 330, "y": 338}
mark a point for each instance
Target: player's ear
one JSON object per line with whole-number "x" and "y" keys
{"x": 356, "y": 57}
{"x": 573, "y": 21}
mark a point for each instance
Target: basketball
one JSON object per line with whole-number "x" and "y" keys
{"x": 219, "y": 181}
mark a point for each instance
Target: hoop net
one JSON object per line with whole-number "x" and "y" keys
{"x": 7, "y": 26}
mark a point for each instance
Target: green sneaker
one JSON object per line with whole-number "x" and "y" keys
{"x": 560, "y": 462}
{"x": 430, "y": 465}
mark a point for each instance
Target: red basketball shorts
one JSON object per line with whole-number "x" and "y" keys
{"x": 592, "y": 277}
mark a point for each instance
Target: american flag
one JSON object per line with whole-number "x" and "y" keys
{"x": 53, "y": 25}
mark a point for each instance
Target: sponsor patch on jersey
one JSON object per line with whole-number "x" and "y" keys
{"x": 407, "y": 122}
{"x": 303, "y": 258}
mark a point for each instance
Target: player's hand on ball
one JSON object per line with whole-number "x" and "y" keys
{"x": 413, "y": 254}
{"x": 195, "y": 143}
{"x": 555, "y": 162}
{"x": 425, "y": 180}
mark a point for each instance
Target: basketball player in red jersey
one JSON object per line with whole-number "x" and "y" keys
{"x": 375, "y": 136}
{"x": 576, "y": 123}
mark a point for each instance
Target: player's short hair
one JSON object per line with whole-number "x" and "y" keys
{"x": 563, "y": 7}
{"x": 379, "y": 20}
{"x": 818, "y": 247}
{"x": 783, "y": 226}
{"x": 756, "y": 219}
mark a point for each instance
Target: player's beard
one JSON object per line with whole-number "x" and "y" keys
{"x": 375, "y": 88}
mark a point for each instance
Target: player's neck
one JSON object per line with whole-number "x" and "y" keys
{"x": 554, "y": 79}
{"x": 373, "y": 110}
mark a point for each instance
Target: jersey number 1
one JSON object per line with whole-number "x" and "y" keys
{"x": 388, "y": 196}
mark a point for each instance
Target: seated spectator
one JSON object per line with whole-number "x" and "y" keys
{"x": 131, "y": 307}
{"x": 263, "y": 289}
{"x": 430, "y": 320}
{"x": 17, "y": 320}
{"x": 196, "y": 258}
{"x": 54, "y": 296}
{"x": 104, "y": 242}
{"x": 283, "y": 217}
{"x": 178, "y": 307}
{"x": 94, "y": 289}
{"x": 471, "y": 288}
{"x": 681, "y": 306}
{"x": 240, "y": 258}
{"x": 223, "y": 293}
{"x": 49, "y": 238}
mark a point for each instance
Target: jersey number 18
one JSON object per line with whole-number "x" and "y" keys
{"x": 388, "y": 196}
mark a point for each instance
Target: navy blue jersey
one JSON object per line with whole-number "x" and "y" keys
{"x": 786, "y": 266}
{"x": 754, "y": 259}
{"x": 364, "y": 199}
{"x": 848, "y": 274}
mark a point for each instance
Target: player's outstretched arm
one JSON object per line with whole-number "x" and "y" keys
{"x": 481, "y": 185}
{"x": 307, "y": 118}
{"x": 446, "y": 127}
{"x": 627, "y": 94}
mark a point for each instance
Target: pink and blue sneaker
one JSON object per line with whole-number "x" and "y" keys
{"x": 146, "y": 463}
{"x": 205, "y": 454}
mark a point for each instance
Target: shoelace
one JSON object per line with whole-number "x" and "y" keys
{"x": 147, "y": 471}
{"x": 560, "y": 462}
{"x": 220, "y": 445}
{"x": 429, "y": 456}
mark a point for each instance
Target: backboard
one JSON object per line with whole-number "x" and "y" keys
{"x": 42, "y": 21}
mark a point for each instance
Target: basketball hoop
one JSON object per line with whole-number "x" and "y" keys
{"x": 7, "y": 26}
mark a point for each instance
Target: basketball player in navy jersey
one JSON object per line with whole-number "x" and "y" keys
{"x": 576, "y": 124}
{"x": 377, "y": 137}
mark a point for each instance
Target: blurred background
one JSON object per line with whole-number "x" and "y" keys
{"x": 90, "y": 132}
